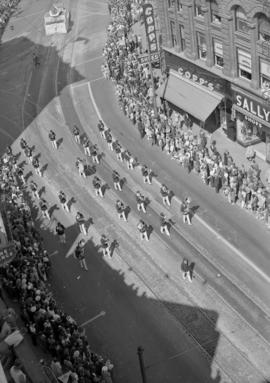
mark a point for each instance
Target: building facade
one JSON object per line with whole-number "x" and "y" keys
{"x": 217, "y": 55}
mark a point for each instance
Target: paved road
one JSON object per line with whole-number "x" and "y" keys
{"x": 140, "y": 289}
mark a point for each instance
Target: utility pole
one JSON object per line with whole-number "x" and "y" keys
{"x": 141, "y": 362}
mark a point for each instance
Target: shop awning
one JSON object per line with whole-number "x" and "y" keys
{"x": 191, "y": 98}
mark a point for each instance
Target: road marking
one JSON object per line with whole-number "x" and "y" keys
{"x": 71, "y": 249}
{"x": 54, "y": 253}
{"x": 101, "y": 314}
{"x": 98, "y": 79}
{"x": 198, "y": 218}
{"x": 90, "y": 60}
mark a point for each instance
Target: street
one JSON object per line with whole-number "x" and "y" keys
{"x": 213, "y": 330}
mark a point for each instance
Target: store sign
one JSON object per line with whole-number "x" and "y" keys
{"x": 195, "y": 78}
{"x": 149, "y": 22}
{"x": 144, "y": 59}
{"x": 252, "y": 107}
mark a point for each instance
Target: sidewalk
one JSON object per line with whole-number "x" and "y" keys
{"x": 237, "y": 151}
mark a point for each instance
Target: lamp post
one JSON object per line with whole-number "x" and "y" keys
{"x": 141, "y": 362}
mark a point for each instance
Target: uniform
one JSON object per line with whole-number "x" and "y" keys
{"x": 60, "y": 231}
{"x": 140, "y": 202}
{"x": 76, "y": 134}
{"x": 63, "y": 200}
{"x": 164, "y": 225}
{"x": 44, "y": 209}
{"x": 98, "y": 186}
{"x": 142, "y": 227}
{"x": 185, "y": 208}
{"x": 116, "y": 181}
{"x": 81, "y": 222}
{"x": 186, "y": 270}
{"x": 94, "y": 154}
{"x": 164, "y": 191}
{"x": 34, "y": 189}
{"x": 52, "y": 137}
{"x": 146, "y": 173}
{"x": 86, "y": 147}
{"x": 36, "y": 166}
{"x": 80, "y": 254}
{"x": 120, "y": 208}
{"x": 104, "y": 242}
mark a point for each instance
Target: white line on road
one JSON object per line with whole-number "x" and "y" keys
{"x": 90, "y": 60}
{"x": 54, "y": 253}
{"x": 98, "y": 79}
{"x": 198, "y": 218}
{"x": 101, "y": 314}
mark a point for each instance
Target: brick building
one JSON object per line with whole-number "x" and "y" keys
{"x": 217, "y": 54}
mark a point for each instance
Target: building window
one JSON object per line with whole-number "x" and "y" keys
{"x": 171, "y": 3}
{"x": 215, "y": 14}
{"x": 202, "y": 48}
{"x": 244, "y": 64}
{"x": 241, "y": 21}
{"x": 179, "y": 6}
{"x": 173, "y": 37}
{"x": 265, "y": 77}
{"x": 264, "y": 28}
{"x": 218, "y": 54}
{"x": 181, "y": 37}
{"x": 198, "y": 11}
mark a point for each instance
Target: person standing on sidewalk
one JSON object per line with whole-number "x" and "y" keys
{"x": 116, "y": 180}
{"x": 140, "y": 199}
{"x": 63, "y": 201}
{"x": 185, "y": 208}
{"x": 165, "y": 194}
{"x": 186, "y": 270}
{"x": 52, "y": 138}
{"x": 34, "y": 189}
{"x": 97, "y": 184}
{"x": 81, "y": 222}
{"x": 60, "y": 231}
{"x": 76, "y": 134}
{"x": 164, "y": 225}
{"x": 105, "y": 246}
{"x": 80, "y": 254}
{"x": 44, "y": 208}
{"x": 36, "y": 166}
{"x": 121, "y": 210}
{"x": 142, "y": 227}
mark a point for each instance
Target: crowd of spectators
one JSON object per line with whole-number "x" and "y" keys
{"x": 6, "y": 9}
{"x": 170, "y": 130}
{"x": 24, "y": 280}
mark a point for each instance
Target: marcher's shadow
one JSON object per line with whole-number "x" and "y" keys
{"x": 22, "y": 164}
{"x": 191, "y": 269}
{"x": 52, "y": 209}
{"x": 104, "y": 188}
{"x": 127, "y": 211}
{"x": 147, "y": 202}
{"x": 123, "y": 181}
{"x": 171, "y": 195}
{"x": 193, "y": 210}
{"x": 114, "y": 245}
{"x": 59, "y": 142}
{"x": 17, "y": 155}
{"x": 101, "y": 156}
{"x": 42, "y": 191}
{"x": 149, "y": 230}
{"x": 71, "y": 202}
{"x": 90, "y": 170}
{"x": 37, "y": 156}
{"x": 28, "y": 175}
{"x": 43, "y": 169}
{"x": 89, "y": 222}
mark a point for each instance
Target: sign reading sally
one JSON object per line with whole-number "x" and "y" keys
{"x": 149, "y": 22}
{"x": 252, "y": 107}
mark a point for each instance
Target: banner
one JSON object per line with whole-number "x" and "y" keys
{"x": 150, "y": 29}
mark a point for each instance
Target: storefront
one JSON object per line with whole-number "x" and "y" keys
{"x": 196, "y": 91}
{"x": 252, "y": 119}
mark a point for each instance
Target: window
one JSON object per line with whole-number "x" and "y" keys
{"x": 244, "y": 64}
{"x": 179, "y": 6}
{"x": 173, "y": 37}
{"x": 198, "y": 11}
{"x": 181, "y": 38}
{"x": 215, "y": 15}
{"x": 202, "y": 48}
{"x": 218, "y": 54}
{"x": 241, "y": 21}
{"x": 264, "y": 28}
{"x": 265, "y": 76}
{"x": 171, "y": 3}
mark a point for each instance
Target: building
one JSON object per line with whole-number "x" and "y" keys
{"x": 217, "y": 55}
{"x": 56, "y": 20}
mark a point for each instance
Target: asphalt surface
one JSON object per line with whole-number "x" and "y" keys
{"x": 213, "y": 330}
